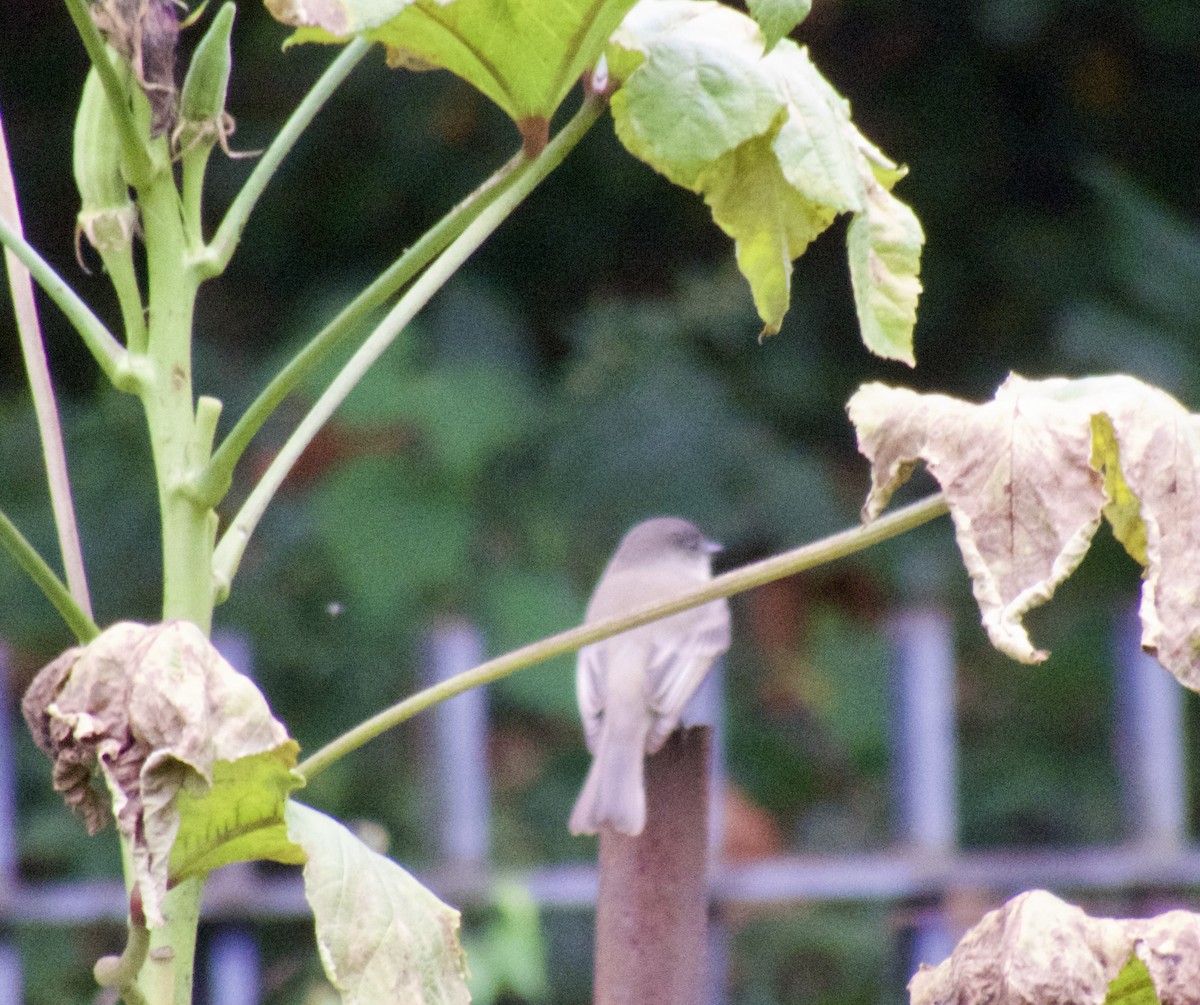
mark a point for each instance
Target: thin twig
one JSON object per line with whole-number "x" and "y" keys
{"x": 220, "y": 250}
{"x": 807, "y": 556}
{"x": 233, "y": 543}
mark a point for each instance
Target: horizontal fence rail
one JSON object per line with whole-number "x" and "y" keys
{"x": 923, "y": 865}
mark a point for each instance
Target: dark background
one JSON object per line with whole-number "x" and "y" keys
{"x": 596, "y": 363}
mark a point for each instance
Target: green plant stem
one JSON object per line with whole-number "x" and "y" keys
{"x": 123, "y": 276}
{"x": 188, "y": 526}
{"x": 233, "y": 543}
{"x": 108, "y": 352}
{"x": 137, "y": 161}
{"x": 218, "y": 476}
{"x": 168, "y": 975}
{"x": 29, "y": 331}
{"x": 220, "y": 250}
{"x": 800, "y": 559}
{"x": 26, "y": 556}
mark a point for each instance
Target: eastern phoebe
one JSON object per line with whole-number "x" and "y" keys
{"x": 632, "y": 687}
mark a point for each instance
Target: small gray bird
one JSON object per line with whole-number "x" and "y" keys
{"x": 632, "y": 687}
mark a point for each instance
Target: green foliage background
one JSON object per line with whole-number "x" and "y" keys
{"x": 595, "y": 364}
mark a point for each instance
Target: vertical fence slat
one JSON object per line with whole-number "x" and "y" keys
{"x": 233, "y": 967}
{"x": 924, "y": 763}
{"x": 925, "y": 740}
{"x": 1149, "y": 742}
{"x": 10, "y": 959}
{"x": 459, "y": 779}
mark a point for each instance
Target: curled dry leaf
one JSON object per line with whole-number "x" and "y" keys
{"x": 146, "y": 33}
{"x": 160, "y": 714}
{"x": 1039, "y": 950}
{"x": 1028, "y": 477}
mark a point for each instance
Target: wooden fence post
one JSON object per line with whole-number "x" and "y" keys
{"x": 651, "y": 911}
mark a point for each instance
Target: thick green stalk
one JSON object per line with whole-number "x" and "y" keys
{"x": 233, "y": 543}
{"x": 218, "y": 476}
{"x": 180, "y": 441}
{"x": 748, "y": 577}
{"x": 187, "y": 525}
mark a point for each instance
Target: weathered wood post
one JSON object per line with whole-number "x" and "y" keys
{"x": 652, "y": 907}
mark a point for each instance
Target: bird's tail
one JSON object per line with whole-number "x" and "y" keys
{"x": 615, "y": 790}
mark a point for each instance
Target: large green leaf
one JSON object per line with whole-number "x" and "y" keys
{"x": 778, "y": 17}
{"x": 771, "y": 146}
{"x": 523, "y": 54}
{"x": 382, "y": 936}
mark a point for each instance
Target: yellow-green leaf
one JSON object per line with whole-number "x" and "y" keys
{"x": 884, "y": 243}
{"x": 525, "y": 55}
{"x": 382, "y": 936}
{"x": 770, "y": 222}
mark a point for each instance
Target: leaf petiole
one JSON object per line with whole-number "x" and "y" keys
{"x": 233, "y": 543}
{"x": 27, "y": 557}
{"x": 807, "y": 556}
{"x": 220, "y": 250}
{"x": 214, "y": 482}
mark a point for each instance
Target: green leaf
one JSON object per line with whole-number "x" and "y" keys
{"x": 771, "y": 223}
{"x": 1132, "y": 986}
{"x": 240, "y": 817}
{"x": 884, "y": 244}
{"x": 698, "y": 92}
{"x": 523, "y": 54}
{"x": 338, "y": 18}
{"x": 777, "y": 18}
{"x": 771, "y": 146}
{"x": 382, "y": 936}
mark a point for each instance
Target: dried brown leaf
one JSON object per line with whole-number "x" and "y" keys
{"x": 1023, "y": 496}
{"x": 1039, "y": 950}
{"x": 153, "y": 709}
{"x": 1027, "y": 477}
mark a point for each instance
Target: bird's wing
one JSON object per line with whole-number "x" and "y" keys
{"x": 677, "y": 670}
{"x": 589, "y": 690}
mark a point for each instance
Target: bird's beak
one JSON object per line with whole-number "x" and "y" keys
{"x": 711, "y": 547}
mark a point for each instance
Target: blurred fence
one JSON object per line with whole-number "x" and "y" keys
{"x": 920, "y": 873}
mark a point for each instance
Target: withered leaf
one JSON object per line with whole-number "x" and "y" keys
{"x": 1039, "y": 950}
{"x": 146, "y": 33}
{"x": 157, "y": 711}
{"x": 1028, "y": 477}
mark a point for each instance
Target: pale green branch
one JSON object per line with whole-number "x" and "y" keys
{"x": 218, "y": 475}
{"x": 108, "y": 352}
{"x": 41, "y": 388}
{"x": 220, "y": 250}
{"x": 800, "y": 559}
{"x": 233, "y": 543}
{"x": 26, "y": 556}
